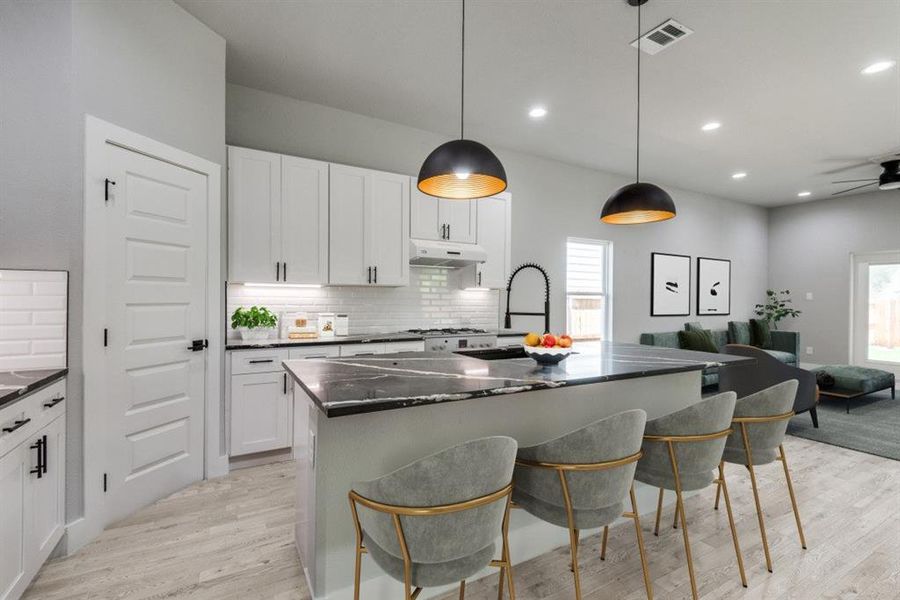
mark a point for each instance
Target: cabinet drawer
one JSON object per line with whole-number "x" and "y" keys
{"x": 362, "y": 349}
{"x": 412, "y": 346}
{"x": 257, "y": 361}
{"x": 328, "y": 351}
{"x": 510, "y": 340}
{"x": 37, "y": 409}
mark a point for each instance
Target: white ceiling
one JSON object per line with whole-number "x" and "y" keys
{"x": 783, "y": 77}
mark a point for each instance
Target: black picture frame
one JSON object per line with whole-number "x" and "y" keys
{"x": 701, "y": 296}
{"x": 654, "y": 311}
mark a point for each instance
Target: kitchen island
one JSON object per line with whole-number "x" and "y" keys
{"x": 366, "y": 417}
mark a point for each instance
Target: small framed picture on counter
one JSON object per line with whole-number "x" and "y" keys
{"x": 326, "y": 325}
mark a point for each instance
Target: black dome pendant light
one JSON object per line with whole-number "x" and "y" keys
{"x": 462, "y": 169}
{"x": 638, "y": 202}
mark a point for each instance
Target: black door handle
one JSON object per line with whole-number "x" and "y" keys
{"x": 198, "y": 345}
{"x": 16, "y": 425}
{"x": 39, "y": 446}
{"x": 54, "y": 402}
{"x": 106, "y": 184}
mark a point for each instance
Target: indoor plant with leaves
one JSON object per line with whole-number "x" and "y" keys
{"x": 778, "y": 306}
{"x": 254, "y": 323}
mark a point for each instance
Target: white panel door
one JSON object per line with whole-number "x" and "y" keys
{"x": 348, "y": 189}
{"x": 46, "y": 494}
{"x": 424, "y": 215}
{"x": 14, "y": 468}
{"x": 260, "y": 412}
{"x": 304, "y": 220}
{"x": 156, "y": 241}
{"x": 254, "y": 216}
{"x": 387, "y": 218}
{"x": 459, "y": 216}
{"x": 494, "y": 235}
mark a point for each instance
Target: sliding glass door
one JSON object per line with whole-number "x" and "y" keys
{"x": 876, "y": 311}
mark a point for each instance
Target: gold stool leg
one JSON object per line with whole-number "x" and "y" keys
{"x": 679, "y": 508}
{"x": 675, "y": 518}
{"x": 658, "y": 512}
{"x": 640, "y": 541}
{"x": 718, "y": 493}
{"x": 790, "y": 486}
{"x": 759, "y": 512}
{"x": 603, "y": 545}
{"x": 737, "y": 547}
{"x": 573, "y": 532}
{"x": 462, "y": 590}
{"x": 506, "y": 571}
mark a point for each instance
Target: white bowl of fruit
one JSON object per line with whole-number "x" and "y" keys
{"x": 548, "y": 349}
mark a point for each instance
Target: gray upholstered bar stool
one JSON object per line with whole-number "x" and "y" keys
{"x": 681, "y": 451}
{"x": 760, "y": 423}
{"x": 436, "y": 521}
{"x": 580, "y": 480}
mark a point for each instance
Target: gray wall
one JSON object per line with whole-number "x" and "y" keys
{"x": 809, "y": 248}
{"x": 551, "y": 201}
{"x": 147, "y": 66}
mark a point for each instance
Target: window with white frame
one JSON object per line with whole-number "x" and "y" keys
{"x": 588, "y": 298}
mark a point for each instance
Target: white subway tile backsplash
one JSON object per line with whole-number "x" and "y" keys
{"x": 433, "y": 298}
{"x": 32, "y": 319}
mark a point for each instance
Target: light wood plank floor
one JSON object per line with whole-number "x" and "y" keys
{"x": 232, "y": 538}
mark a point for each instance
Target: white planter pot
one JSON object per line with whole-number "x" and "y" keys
{"x": 261, "y": 333}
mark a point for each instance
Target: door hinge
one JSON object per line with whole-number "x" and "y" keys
{"x": 106, "y": 183}
{"x": 105, "y": 483}
{"x": 105, "y": 337}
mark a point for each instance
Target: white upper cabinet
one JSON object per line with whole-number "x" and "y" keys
{"x": 254, "y": 215}
{"x": 277, "y": 218}
{"x": 369, "y": 227}
{"x": 439, "y": 219}
{"x": 494, "y": 234}
{"x": 304, "y": 220}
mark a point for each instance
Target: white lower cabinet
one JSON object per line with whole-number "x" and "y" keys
{"x": 32, "y": 486}
{"x": 260, "y": 412}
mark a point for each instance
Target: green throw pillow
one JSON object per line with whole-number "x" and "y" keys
{"x": 700, "y": 341}
{"x": 760, "y": 335}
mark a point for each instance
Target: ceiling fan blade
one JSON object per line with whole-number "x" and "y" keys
{"x": 856, "y": 180}
{"x": 847, "y": 168}
{"x": 859, "y": 187}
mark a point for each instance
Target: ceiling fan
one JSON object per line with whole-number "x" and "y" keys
{"x": 888, "y": 180}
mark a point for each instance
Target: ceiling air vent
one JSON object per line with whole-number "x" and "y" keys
{"x": 662, "y": 37}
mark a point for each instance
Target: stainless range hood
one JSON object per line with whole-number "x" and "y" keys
{"x": 432, "y": 253}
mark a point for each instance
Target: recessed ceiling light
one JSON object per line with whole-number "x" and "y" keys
{"x": 878, "y": 67}
{"x": 739, "y": 175}
{"x": 711, "y": 126}
{"x": 803, "y": 194}
{"x": 537, "y": 112}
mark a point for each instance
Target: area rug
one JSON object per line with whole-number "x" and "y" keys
{"x": 873, "y": 425}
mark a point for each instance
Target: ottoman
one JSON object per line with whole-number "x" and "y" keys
{"x": 852, "y": 382}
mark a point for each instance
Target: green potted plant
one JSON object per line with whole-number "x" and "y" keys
{"x": 777, "y": 307}
{"x": 254, "y": 323}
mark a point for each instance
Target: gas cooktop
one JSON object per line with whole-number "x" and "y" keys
{"x": 448, "y": 331}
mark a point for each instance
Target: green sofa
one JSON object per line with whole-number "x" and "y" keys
{"x": 785, "y": 344}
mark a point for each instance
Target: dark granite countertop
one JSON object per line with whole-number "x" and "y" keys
{"x": 363, "y": 338}
{"x": 357, "y": 385}
{"x": 15, "y": 385}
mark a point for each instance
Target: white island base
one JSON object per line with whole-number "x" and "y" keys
{"x": 365, "y": 446}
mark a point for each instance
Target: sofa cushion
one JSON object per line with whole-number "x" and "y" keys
{"x": 760, "y": 334}
{"x": 699, "y": 340}
{"x": 785, "y": 357}
{"x": 693, "y": 326}
{"x": 668, "y": 339}
{"x": 859, "y": 379}
{"x": 739, "y": 332}
{"x": 719, "y": 338}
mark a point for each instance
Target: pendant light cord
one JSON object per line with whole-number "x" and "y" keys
{"x": 462, "y": 73}
{"x": 637, "y": 158}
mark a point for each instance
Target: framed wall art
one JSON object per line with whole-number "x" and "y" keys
{"x": 713, "y": 286}
{"x": 670, "y": 285}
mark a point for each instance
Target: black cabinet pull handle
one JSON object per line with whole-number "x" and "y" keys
{"x": 285, "y": 383}
{"x": 376, "y": 274}
{"x": 479, "y": 278}
{"x": 284, "y": 271}
{"x": 16, "y": 425}
{"x": 54, "y": 402}
{"x": 39, "y": 469}
{"x": 261, "y": 360}
{"x": 448, "y": 231}
{"x": 46, "y": 455}
{"x": 370, "y": 274}
{"x": 278, "y": 271}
